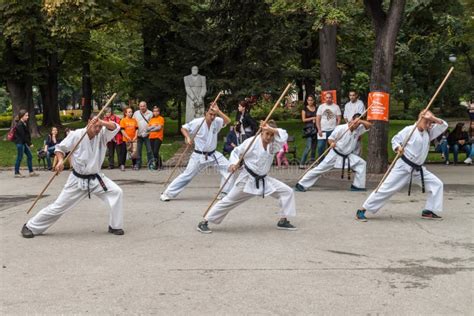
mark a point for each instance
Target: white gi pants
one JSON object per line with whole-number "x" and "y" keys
{"x": 196, "y": 163}
{"x": 72, "y": 195}
{"x": 358, "y": 148}
{"x": 397, "y": 179}
{"x": 237, "y": 196}
{"x": 331, "y": 161}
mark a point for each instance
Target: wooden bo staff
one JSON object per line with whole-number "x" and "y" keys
{"x": 189, "y": 145}
{"x": 249, "y": 146}
{"x": 70, "y": 153}
{"x": 329, "y": 148}
{"x": 413, "y": 130}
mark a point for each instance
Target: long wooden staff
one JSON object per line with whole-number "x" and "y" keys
{"x": 70, "y": 153}
{"x": 413, "y": 130}
{"x": 329, "y": 148}
{"x": 189, "y": 145}
{"x": 248, "y": 147}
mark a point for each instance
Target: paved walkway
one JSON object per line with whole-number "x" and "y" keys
{"x": 396, "y": 263}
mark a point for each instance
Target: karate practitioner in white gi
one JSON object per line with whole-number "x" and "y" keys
{"x": 84, "y": 180}
{"x": 411, "y": 165}
{"x": 253, "y": 180}
{"x": 341, "y": 156}
{"x": 205, "y": 154}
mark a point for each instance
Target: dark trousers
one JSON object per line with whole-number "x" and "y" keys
{"x": 121, "y": 153}
{"x": 112, "y": 147}
{"x": 23, "y": 148}
{"x": 155, "y": 147}
{"x": 149, "y": 154}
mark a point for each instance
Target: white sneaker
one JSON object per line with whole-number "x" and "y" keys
{"x": 447, "y": 162}
{"x": 164, "y": 198}
{"x": 468, "y": 161}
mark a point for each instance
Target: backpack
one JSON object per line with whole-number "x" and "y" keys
{"x": 11, "y": 134}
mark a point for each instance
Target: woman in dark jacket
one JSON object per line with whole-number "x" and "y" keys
{"x": 23, "y": 144}
{"x": 247, "y": 123}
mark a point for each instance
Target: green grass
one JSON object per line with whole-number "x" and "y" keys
{"x": 173, "y": 141}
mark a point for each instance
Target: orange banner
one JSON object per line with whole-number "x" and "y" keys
{"x": 380, "y": 106}
{"x": 334, "y": 96}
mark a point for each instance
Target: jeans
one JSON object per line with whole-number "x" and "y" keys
{"x": 457, "y": 147}
{"x": 149, "y": 153}
{"x": 443, "y": 148}
{"x": 311, "y": 143}
{"x": 23, "y": 148}
{"x": 155, "y": 146}
{"x": 322, "y": 142}
{"x": 49, "y": 154}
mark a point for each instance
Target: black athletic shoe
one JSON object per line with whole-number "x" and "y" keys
{"x": 354, "y": 188}
{"x": 285, "y": 224}
{"x": 26, "y": 232}
{"x": 299, "y": 188}
{"x": 203, "y": 228}
{"x": 115, "y": 231}
{"x": 426, "y": 214}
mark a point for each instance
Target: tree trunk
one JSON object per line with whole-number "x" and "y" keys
{"x": 86, "y": 91}
{"x": 386, "y": 27}
{"x": 330, "y": 75}
{"x": 21, "y": 94}
{"x": 49, "y": 93}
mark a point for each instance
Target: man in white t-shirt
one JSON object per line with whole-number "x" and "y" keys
{"x": 328, "y": 117}
{"x": 354, "y": 106}
{"x": 143, "y": 116}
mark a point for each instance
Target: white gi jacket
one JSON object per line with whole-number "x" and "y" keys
{"x": 418, "y": 147}
{"x": 259, "y": 161}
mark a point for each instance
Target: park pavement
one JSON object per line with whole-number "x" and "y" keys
{"x": 397, "y": 263}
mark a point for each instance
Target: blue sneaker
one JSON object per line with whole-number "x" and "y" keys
{"x": 360, "y": 216}
{"x": 299, "y": 188}
{"x": 354, "y": 188}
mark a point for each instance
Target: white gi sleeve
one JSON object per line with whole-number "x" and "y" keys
{"x": 191, "y": 126}
{"x": 279, "y": 140}
{"x": 361, "y": 130}
{"x": 219, "y": 123}
{"x": 238, "y": 151}
{"x": 437, "y": 130}
{"x": 68, "y": 143}
{"x": 107, "y": 134}
{"x": 337, "y": 132}
{"x": 399, "y": 138}
{"x": 361, "y": 107}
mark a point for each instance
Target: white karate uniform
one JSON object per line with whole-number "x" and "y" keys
{"x": 349, "y": 110}
{"x": 205, "y": 141}
{"x": 259, "y": 160}
{"x": 86, "y": 160}
{"x": 345, "y": 146}
{"x": 416, "y": 151}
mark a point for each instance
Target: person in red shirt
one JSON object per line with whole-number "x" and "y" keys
{"x": 116, "y": 144}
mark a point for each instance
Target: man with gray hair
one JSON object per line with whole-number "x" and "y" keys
{"x": 143, "y": 116}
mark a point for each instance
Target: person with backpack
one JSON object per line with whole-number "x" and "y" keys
{"x": 22, "y": 139}
{"x": 143, "y": 117}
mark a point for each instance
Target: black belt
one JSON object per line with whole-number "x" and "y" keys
{"x": 257, "y": 178}
{"x": 90, "y": 177}
{"x": 205, "y": 153}
{"x": 414, "y": 167}
{"x": 344, "y": 158}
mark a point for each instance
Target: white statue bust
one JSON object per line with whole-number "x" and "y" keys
{"x": 195, "y": 85}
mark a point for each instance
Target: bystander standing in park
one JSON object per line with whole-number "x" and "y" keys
{"x": 143, "y": 116}
{"x": 233, "y": 139}
{"x": 458, "y": 140}
{"x": 354, "y": 106}
{"x": 129, "y": 127}
{"x": 23, "y": 144}
{"x": 310, "y": 131}
{"x": 328, "y": 117}
{"x": 248, "y": 126}
{"x": 50, "y": 145}
{"x": 115, "y": 145}
{"x": 156, "y": 128}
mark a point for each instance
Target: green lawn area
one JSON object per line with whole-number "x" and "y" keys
{"x": 173, "y": 141}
